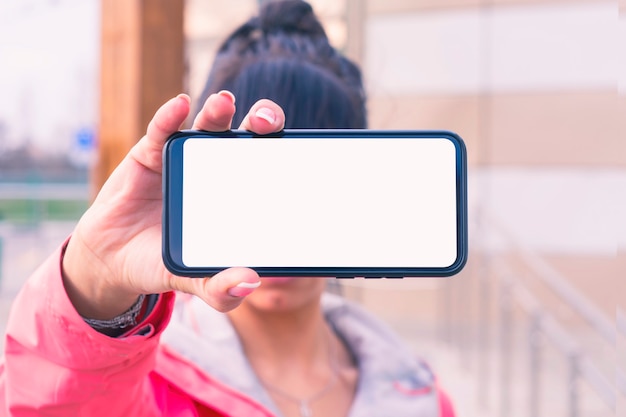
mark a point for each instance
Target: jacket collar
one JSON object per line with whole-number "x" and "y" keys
{"x": 392, "y": 380}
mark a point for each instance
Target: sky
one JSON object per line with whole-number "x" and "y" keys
{"x": 49, "y": 51}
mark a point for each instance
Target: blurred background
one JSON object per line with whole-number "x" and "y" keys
{"x": 535, "y": 324}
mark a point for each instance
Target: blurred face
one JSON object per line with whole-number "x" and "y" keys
{"x": 286, "y": 294}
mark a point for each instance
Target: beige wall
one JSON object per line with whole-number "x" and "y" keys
{"x": 392, "y": 6}
{"x": 569, "y": 128}
{"x": 577, "y": 128}
{"x": 557, "y": 106}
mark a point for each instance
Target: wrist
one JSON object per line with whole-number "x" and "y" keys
{"x": 125, "y": 320}
{"x": 91, "y": 293}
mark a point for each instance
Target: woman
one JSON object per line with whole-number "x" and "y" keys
{"x": 296, "y": 354}
{"x": 95, "y": 332}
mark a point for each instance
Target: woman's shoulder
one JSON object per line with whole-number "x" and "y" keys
{"x": 391, "y": 375}
{"x": 374, "y": 343}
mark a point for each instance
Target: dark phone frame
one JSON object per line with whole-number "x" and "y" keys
{"x": 172, "y": 205}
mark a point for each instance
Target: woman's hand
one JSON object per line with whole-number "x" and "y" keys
{"x": 114, "y": 253}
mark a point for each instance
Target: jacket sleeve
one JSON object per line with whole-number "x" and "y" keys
{"x": 446, "y": 409}
{"x": 55, "y": 364}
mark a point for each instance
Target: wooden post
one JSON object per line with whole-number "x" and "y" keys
{"x": 142, "y": 66}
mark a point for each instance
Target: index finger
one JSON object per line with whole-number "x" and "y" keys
{"x": 217, "y": 112}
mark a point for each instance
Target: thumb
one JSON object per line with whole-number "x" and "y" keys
{"x": 224, "y": 291}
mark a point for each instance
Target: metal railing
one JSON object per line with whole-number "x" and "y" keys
{"x": 580, "y": 364}
{"x": 511, "y": 319}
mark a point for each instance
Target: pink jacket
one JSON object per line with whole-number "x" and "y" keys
{"x": 54, "y": 364}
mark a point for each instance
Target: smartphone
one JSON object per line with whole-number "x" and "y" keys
{"x": 316, "y": 203}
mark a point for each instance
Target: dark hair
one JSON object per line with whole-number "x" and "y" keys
{"x": 284, "y": 55}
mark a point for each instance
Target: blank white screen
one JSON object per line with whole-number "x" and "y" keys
{"x": 319, "y": 202}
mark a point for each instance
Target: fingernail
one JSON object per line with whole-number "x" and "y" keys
{"x": 184, "y": 97}
{"x": 243, "y": 288}
{"x": 228, "y": 94}
{"x": 266, "y": 114}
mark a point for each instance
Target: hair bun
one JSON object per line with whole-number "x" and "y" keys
{"x": 290, "y": 16}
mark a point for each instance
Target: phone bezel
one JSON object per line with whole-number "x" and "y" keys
{"x": 172, "y": 205}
